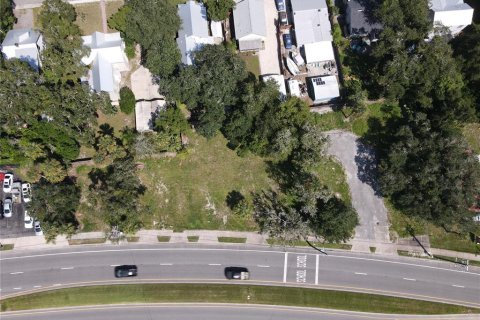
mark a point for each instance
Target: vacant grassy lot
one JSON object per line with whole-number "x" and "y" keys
{"x": 155, "y": 293}
{"x": 252, "y": 62}
{"x": 331, "y": 174}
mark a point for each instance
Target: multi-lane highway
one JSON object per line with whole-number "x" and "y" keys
{"x": 207, "y": 311}
{"x": 22, "y": 272}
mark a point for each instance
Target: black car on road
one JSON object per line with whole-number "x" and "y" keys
{"x": 126, "y": 271}
{"x": 237, "y": 273}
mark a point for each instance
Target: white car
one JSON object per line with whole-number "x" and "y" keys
{"x": 37, "y": 228}
{"x": 28, "y": 221}
{"x": 7, "y": 183}
{"x": 26, "y": 192}
{"x": 7, "y": 208}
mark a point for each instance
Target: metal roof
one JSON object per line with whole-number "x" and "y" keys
{"x": 194, "y": 19}
{"x": 311, "y": 21}
{"x": 360, "y": 17}
{"x": 249, "y": 18}
{"x": 448, "y": 5}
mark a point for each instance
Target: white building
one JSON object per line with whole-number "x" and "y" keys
{"x": 323, "y": 89}
{"x": 453, "y": 14}
{"x": 318, "y": 51}
{"x": 294, "y": 88}
{"x": 23, "y": 44}
{"x": 250, "y": 25}
{"x": 193, "y": 33}
{"x": 107, "y": 60}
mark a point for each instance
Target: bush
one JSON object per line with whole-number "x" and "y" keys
{"x": 127, "y": 100}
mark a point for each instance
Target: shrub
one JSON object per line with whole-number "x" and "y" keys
{"x": 127, "y": 100}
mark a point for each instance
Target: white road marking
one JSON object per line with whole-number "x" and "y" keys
{"x": 285, "y": 267}
{"x": 20, "y": 272}
{"x": 361, "y": 273}
{"x": 166, "y": 264}
{"x": 114, "y": 265}
{"x": 409, "y": 279}
{"x": 301, "y": 276}
{"x": 17, "y": 288}
{"x": 56, "y": 284}
{"x": 302, "y": 261}
{"x": 37, "y": 286}
{"x": 214, "y": 264}
{"x": 316, "y": 269}
{"x": 262, "y": 266}
{"x": 66, "y": 268}
{"x": 457, "y": 286}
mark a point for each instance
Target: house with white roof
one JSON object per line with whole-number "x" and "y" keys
{"x": 250, "y": 24}
{"x": 107, "y": 61}
{"x": 24, "y": 44}
{"x": 453, "y": 14}
{"x": 193, "y": 33}
{"x": 313, "y": 31}
{"x": 323, "y": 89}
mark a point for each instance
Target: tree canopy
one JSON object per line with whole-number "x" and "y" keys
{"x": 7, "y": 18}
{"x": 219, "y": 9}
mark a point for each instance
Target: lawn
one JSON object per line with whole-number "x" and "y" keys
{"x": 252, "y": 62}
{"x": 330, "y": 172}
{"x": 374, "y": 112}
{"x": 189, "y": 191}
{"x": 216, "y": 293}
{"x": 472, "y": 135}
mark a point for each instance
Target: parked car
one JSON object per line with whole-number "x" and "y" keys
{"x": 237, "y": 273}
{"x": 37, "y": 228}
{"x": 126, "y": 271}
{"x": 297, "y": 58}
{"x": 7, "y": 183}
{"x": 26, "y": 192}
{"x": 282, "y": 18}
{"x": 2, "y": 176}
{"x": 280, "y": 5}
{"x": 7, "y": 208}
{"x": 287, "y": 40}
{"x": 28, "y": 221}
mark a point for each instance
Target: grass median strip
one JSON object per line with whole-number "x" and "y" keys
{"x": 288, "y": 296}
{"x": 163, "y": 238}
{"x": 232, "y": 239}
{"x": 73, "y": 242}
{"x": 7, "y": 246}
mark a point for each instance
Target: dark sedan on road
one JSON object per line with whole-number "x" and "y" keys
{"x": 126, "y": 271}
{"x": 237, "y": 273}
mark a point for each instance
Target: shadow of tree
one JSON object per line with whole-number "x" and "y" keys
{"x": 366, "y": 161}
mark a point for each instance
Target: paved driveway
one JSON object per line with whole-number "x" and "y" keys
{"x": 359, "y": 164}
{"x": 269, "y": 63}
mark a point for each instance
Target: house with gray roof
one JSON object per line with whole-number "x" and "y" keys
{"x": 23, "y": 44}
{"x": 193, "y": 33}
{"x": 360, "y": 19}
{"x": 311, "y": 21}
{"x": 250, "y": 24}
{"x": 452, "y": 14}
{"x": 107, "y": 61}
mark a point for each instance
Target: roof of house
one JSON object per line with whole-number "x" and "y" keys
{"x": 311, "y": 21}
{"x": 451, "y": 13}
{"x": 448, "y": 5}
{"x": 319, "y": 51}
{"x": 325, "y": 88}
{"x": 249, "y": 18}
{"x": 23, "y": 44}
{"x": 194, "y": 30}
{"x": 145, "y": 112}
{"x": 280, "y": 81}
{"x": 107, "y": 60}
{"x": 294, "y": 87}
{"x": 361, "y": 17}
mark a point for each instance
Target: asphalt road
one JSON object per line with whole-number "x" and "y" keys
{"x": 397, "y": 276}
{"x": 204, "y": 311}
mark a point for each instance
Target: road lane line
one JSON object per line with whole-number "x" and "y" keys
{"x": 56, "y": 284}
{"x": 19, "y": 272}
{"x": 114, "y": 265}
{"x": 37, "y": 286}
{"x": 285, "y": 268}
{"x": 166, "y": 264}
{"x": 17, "y": 288}
{"x": 262, "y": 266}
{"x": 67, "y": 268}
{"x": 457, "y": 286}
{"x": 362, "y": 273}
{"x": 214, "y": 264}
{"x": 316, "y": 269}
{"x": 409, "y": 279}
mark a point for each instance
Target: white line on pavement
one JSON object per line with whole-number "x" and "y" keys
{"x": 56, "y": 284}
{"x": 409, "y": 279}
{"x": 37, "y": 286}
{"x": 17, "y": 288}
{"x": 262, "y": 266}
{"x": 285, "y": 267}
{"x": 361, "y": 273}
{"x": 316, "y": 269}
{"x": 19, "y": 272}
{"x": 114, "y": 265}
{"x": 66, "y": 268}
{"x": 457, "y": 286}
{"x": 166, "y": 264}
{"x": 214, "y": 264}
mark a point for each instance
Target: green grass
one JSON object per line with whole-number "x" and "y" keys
{"x": 374, "y": 112}
{"x": 73, "y": 242}
{"x": 7, "y": 246}
{"x": 332, "y": 120}
{"x": 89, "y": 17}
{"x": 193, "y": 238}
{"x": 330, "y": 173}
{"x": 163, "y": 238}
{"x": 189, "y": 191}
{"x": 252, "y": 62}
{"x": 301, "y": 243}
{"x": 290, "y": 296}
{"x": 232, "y": 239}
{"x": 472, "y": 135}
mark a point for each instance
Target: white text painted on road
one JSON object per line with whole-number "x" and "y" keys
{"x": 457, "y": 286}
{"x": 301, "y": 276}
{"x": 19, "y": 272}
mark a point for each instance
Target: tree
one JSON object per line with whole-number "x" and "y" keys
{"x": 63, "y": 45}
{"x": 127, "y": 100}
{"x": 116, "y": 190}
{"x": 163, "y": 59}
{"x": 171, "y": 121}
{"x": 108, "y": 146}
{"x": 55, "y": 206}
{"x": 429, "y": 173}
{"x": 52, "y": 170}
{"x": 219, "y": 10}
{"x": 7, "y": 18}
{"x": 355, "y": 95}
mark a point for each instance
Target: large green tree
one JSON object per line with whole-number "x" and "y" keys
{"x": 219, "y": 9}
{"x": 7, "y": 18}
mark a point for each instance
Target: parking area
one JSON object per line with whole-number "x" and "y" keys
{"x": 269, "y": 57}
{"x": 13, "y": 226}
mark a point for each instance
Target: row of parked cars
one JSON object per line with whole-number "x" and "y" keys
{"x": 16, "y": 192}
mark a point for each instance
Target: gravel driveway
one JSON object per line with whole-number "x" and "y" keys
{"x": 359, "y": 163}
{"x": 268, "y": 57}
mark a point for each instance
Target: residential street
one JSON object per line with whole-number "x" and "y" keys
{"x": 358, "y": 162}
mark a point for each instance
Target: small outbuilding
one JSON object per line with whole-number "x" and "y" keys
{"x": 323, "y": 89}
{"x": 250, "y": 24}
{"x": 24, "y": 44}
